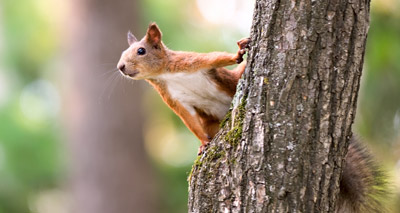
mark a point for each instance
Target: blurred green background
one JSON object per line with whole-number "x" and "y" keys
{"x": 33, "y": 160}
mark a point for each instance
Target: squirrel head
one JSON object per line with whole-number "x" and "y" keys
{"x": 146, "y": 58}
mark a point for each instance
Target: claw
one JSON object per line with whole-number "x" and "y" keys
{"x": 244, "y": 43}
{"x": 243, "y": 46}
{"x": 239, "y": 59}
{"x": 203, "y": 147}
{"x": 201, "y": 150}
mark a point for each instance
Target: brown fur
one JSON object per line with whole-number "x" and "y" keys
{"x": 193, "y": 123}
{"x": 227, "y": 79}
{"x": 179, "y": 61}
{"x": 209, "y": 123}
{"x": 362, "y": 187}
{"x": 159, "y": 60}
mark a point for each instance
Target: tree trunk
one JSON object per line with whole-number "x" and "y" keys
{"x": 110, "y": 171}
{"x": 281, "y": 147}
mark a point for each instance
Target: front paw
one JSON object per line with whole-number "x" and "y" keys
{"x": 243, "y": 46}
{"x": 239, "y": 56}
{"x": 244, "y": 43}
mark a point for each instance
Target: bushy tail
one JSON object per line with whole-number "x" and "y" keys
{"x": 363, "y": 187}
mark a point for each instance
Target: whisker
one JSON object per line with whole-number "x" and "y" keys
{"x": 113, "y": 85}
{"x": 110, "y": 63}
{"x": 107, "y": 72}
{"x": 123, "y": 84}
{"x": 106, "y": 86}
{"x": 131, "y": 82}
{"x": 127, "y": 82}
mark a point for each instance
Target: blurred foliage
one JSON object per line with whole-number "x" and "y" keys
{"x": 186, "y": 30}
{"x": 30, "y": 150}
{"x": 30, "y": 41}
{"x": 379, "y": 99}
{"x": 380, "y": 92}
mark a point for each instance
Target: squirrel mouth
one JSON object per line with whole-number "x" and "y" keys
{"x": 133, "y": 74}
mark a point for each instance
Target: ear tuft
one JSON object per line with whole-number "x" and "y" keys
{"x": 153, "y": 35}
{"x": 131, "y": 38}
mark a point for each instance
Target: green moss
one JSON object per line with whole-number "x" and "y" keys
{"x": 213, "y": 153}
{"x": 226, "y": 119}
{"x": 197, "y": 163}
{"x": 266, "y": 81}
{"x": 234, "y": 135}
{"x": 232, "y": 161}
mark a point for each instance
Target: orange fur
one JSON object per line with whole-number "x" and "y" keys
{"x": 159, "y": 64}
{"x": 192, "y": 61}
{"x": 193, "y": 123}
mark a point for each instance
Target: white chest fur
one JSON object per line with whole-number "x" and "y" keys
{"x": 197, "y": 90}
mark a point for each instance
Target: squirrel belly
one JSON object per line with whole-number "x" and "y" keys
{"x": 197, "y": 91}
{"x": 198, "y": 88}
{"x": 200, "y": 98}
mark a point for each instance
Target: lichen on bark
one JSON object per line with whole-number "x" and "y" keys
{"x": 234, "y": 121}
{"x": 281, "y": 147}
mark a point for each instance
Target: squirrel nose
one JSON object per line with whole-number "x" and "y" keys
{"x": 121, "y": 67}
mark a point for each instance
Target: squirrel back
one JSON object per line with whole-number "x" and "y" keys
{"x": 198, "y": 88}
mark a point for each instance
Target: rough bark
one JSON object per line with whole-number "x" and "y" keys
{"x": 110, "y": 171}
{"x": 282, "y": 146}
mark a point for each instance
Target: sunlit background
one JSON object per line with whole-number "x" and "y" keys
{"x": 34, "y": 161}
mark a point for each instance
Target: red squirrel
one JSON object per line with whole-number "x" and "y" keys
{"x": 196, "y": 86}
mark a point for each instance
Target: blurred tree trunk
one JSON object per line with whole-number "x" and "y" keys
{"x": 281, "y": 148}
{"x": 110, "y": 171}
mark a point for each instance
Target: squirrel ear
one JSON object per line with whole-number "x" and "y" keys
{"x": 131, "y": 38}
{"x": 153, "y": 35}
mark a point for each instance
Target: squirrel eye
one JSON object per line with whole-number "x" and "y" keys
{"x": 141, "y": 51}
